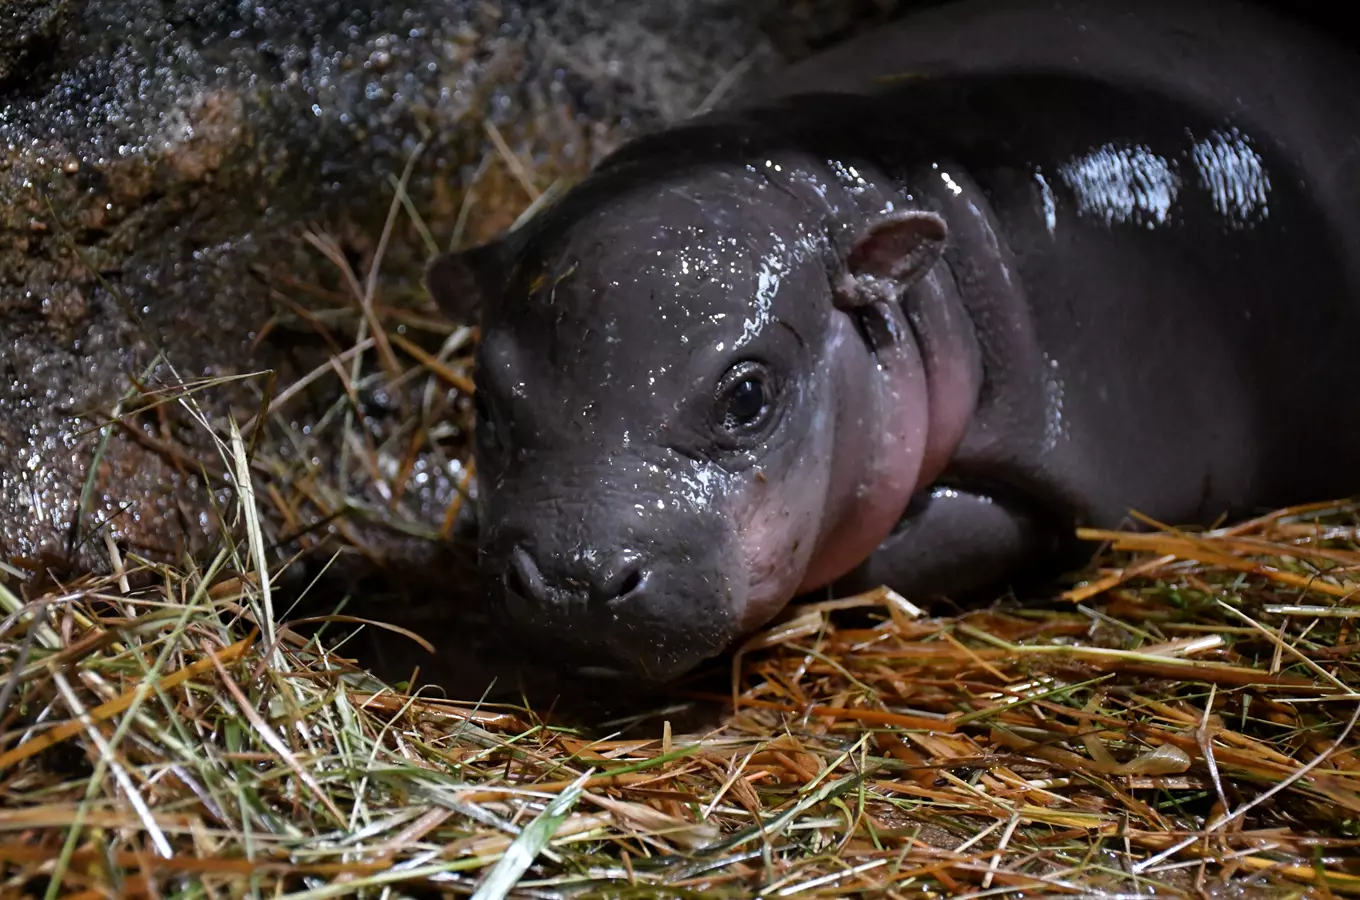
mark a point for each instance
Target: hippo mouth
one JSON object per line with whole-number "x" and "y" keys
{"x": 637, "y": 618}
{"x": 606, "y": 650}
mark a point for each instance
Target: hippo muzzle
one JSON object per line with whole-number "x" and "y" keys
{"x": 614, "y": 580}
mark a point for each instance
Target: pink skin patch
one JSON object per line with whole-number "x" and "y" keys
{"x": 953, "y": 365}
{"x": 778, "y": 539}
{"x": 852, "y": 476}
{"x": 953, "y": 385}
{"x": 884, "y": 445}
{"x": 901, "y": 438}
{"x": 783, "y": 518}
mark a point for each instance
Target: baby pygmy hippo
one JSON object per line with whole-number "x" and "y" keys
{"x": 910, "y": 312}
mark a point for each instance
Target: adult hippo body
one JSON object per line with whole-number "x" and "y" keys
{"x": 910, "y": 312}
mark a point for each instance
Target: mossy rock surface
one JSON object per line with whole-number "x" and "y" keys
{"x": 27, "y": 28}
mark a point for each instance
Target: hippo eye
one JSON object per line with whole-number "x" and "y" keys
{"x": 745, "y": 403}
{"x": 744, "y": 399}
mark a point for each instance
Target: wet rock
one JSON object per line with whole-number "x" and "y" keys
{"x": 28, "y": 28}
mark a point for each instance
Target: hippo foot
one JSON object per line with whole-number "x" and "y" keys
{"x": 959, "y": 544}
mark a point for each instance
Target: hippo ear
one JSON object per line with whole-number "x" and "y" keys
{"x": 893, "y": 252}
{"x": 460, "y": 280}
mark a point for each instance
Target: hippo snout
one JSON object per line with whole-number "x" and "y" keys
{"x": 648, "y": 610}
{"x": 619, "y": 577}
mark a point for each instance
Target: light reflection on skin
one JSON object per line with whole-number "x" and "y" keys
{"x": 1133, "y": 185}
{"x": 1118, "y": 185}
{"x": 1234, "y": 176}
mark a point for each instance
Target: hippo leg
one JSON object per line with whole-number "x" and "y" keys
{"x": 953, "y": 542}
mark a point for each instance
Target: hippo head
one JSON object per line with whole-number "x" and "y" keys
{"x": 679, "y": 424}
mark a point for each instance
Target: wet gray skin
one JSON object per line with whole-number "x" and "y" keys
{"x": 628, "y": 497}
{"x": 852, "y": 332}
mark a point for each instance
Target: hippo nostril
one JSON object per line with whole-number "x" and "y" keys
{"x": 630, "y": 583}
{"x": 622, "y": 579}
{"x": 523, "y": 578}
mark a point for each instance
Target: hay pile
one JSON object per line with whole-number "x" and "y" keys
{"x": 1183, "y": 724}
{"x": 1191, "y": 723}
